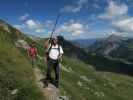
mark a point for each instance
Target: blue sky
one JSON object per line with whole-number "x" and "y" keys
{"x": 79, "y": 18}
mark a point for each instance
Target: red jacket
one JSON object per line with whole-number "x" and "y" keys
{"x": 32, "y": 51}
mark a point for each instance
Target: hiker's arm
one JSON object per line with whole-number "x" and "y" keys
{"x": 46, "y": 46}
{"x": 45, "y": 59}
{"x": 36, "y": 53}
{"x": 28, "y": 53}
{"x": 60, "y": 57}
{"x": 46, "y": 43}
{"x": 61, "y": 53}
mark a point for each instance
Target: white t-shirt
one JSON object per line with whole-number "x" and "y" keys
{"x": 54, "y": 52}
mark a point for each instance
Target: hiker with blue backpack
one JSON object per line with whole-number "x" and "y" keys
{"x": 54, "y": 54}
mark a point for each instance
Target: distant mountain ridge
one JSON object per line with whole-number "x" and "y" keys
{"x": 79, "y": 81}
{"x": 114, "y": 46}
{"x": 72, "y": 50}
{"x": 84, "y": 43}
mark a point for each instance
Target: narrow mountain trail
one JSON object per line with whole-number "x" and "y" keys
{"x": 50, "y": 92}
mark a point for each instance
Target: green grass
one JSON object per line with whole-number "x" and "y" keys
{"x": 79, "y": 81}
{"x": 100, "y": 85}
{"x": 112, "y": 86}
{"x": 130, "y": 46}
{"x": 15, "y": 72}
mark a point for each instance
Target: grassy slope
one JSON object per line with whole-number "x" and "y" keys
{"x": 95, "y": 86}
{"x": 101, "y": 63}
{"x": 100, "y": 86}
{"x": 15, "y": 72}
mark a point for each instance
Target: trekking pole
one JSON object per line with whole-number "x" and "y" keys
{"x": 56, "y": 22}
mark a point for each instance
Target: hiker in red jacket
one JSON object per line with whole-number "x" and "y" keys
{"x": 32, "y": 53}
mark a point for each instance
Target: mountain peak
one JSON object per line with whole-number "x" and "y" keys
{"x": 2, "y": 21}
{"x": 114, "y": 38}
{"x": 4, "y": 25}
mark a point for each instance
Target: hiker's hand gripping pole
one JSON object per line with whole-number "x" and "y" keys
{"x": 53, "y": 30}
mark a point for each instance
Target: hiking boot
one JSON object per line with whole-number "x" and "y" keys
{"x": 56, "y": 84}
{"x": 45, "y": 82}
{"x": 51, "y": 80}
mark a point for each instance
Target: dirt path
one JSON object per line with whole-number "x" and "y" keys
{"x": 50, "y": 92}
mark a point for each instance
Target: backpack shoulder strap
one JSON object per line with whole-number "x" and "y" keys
{"x": 49, "y": 48}
{"x": 47, "y": 51}
{"x": 59, "y": 49}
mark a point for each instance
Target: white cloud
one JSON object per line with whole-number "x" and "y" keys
{"x": 35, "y": 25}
{"x": 114, "y": 10}
{"x": 48, "y": 24}
{"x": 19, "y": 26}
{"x": 24, "y": 17}
{"x": 75, "y": 7}
{"x": 117, "y": 17}
{"x": 115, "y": 32}
{"x": 71, "y": 8}
{"x": 74, "y": 28}
{"x": 39, "y": 30}
{"x": 31, "y": 24}
{"x": 124, "y": 25}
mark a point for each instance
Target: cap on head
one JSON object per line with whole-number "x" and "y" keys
{"x": 55, "y": 37}
{"x": 33, "y": 43}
